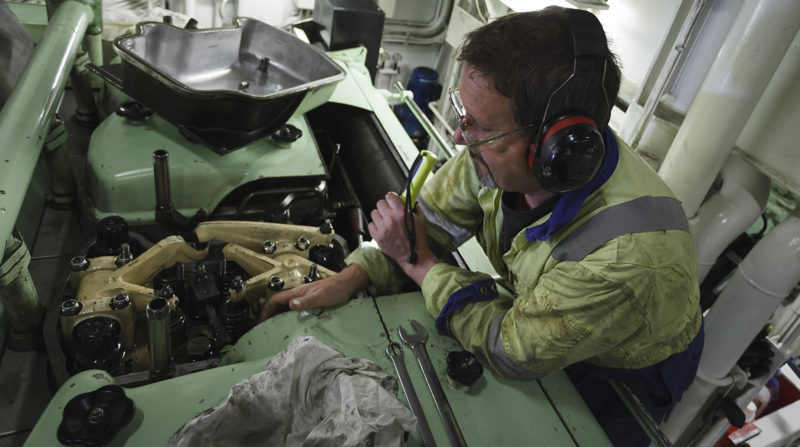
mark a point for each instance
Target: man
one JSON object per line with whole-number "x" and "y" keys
{"x": 598, "y": 259}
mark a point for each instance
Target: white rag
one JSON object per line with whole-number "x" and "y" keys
{"x": 308, "y": 395}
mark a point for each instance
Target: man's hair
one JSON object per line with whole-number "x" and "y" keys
{"x": 528, "y": 55}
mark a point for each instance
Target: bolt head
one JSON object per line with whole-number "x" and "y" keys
{"x": 70, "y": 307}
{"x": 302, "y": 243}
{"x": 120, "y": 301}
{"x": 276, "y": 282}
{"x": 78, "y": 264}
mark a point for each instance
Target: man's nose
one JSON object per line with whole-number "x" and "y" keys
{"x": 458, "y": 137}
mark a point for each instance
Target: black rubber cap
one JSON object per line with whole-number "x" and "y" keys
{"x": 96, "y": 417}
{"x": 463, "y": 367}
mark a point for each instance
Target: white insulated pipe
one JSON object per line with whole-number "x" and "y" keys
{"x": 752, "y": 51}
{"x": 786, "y": 323}
{"x": 763, "y": 279}
{"x": 729, "y": 212}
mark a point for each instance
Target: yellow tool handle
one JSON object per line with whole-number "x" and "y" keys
{"x": 425, "y": 166}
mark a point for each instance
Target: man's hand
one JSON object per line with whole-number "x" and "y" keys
{"x": 389, "y": 231}
{"x": 326, "y": 292}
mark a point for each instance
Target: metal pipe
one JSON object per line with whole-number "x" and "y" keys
{"x": 689, "y": 23}
{"x": 639, "y": 413}
{"x": 752, "y": 51}
{"x": 760, "y": 283}
{"x": 729, "y": 212}
{"x": 159, "y": 337}
{"x": 408, "y": 100}
{"x": 62, "y": 180}
{"x": 439, "y": 116}
{"x": 29, "y": 111}
{"x": 161, "y": 176}
{"x": 94, "y": 44}
{"x": 428, "y": 30}
{"x": 18, "y": 295}
{"x": 762, "y": 280}
{"x": 81, "y": 81}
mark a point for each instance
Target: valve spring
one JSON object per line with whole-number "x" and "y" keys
{"x": 234, "y": 316}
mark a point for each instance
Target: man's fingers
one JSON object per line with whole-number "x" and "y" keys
{"x": 308, "y": 299}
{"x": 375, "y": 215}
{"x": 278, "y": 303}
{"x": 382, "y": 207}
{"x": 394, "y": 201}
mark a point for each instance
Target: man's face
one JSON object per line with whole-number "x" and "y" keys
{"x": 501, "y": 164}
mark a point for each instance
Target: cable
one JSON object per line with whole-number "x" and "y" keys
{"x": 408, "y": 211}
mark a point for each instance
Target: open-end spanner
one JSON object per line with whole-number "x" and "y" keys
{"x": 395, "y": 353}
{"x": 416, "y": 341}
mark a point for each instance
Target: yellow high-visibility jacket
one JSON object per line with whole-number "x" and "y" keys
{"x": 616, "y": 286}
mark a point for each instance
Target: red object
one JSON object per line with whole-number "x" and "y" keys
{"x": 741, "y": 435}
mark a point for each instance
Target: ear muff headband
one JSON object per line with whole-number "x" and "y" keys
{"x": 588, "y": 40}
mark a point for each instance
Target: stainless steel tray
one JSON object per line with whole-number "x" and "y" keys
{"x": 224, "y": 87}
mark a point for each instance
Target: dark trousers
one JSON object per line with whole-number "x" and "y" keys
{"x": 658, "y": 387}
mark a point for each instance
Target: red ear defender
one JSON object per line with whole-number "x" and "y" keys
{"x": 530, "y": 155}
{"x": 569, "y": 155}
{"x": 569, "y": 150}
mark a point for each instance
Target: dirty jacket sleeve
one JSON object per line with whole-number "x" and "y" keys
{"x": 453, "y": 215}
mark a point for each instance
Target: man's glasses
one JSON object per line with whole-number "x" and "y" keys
{"x": 477, "y": 140}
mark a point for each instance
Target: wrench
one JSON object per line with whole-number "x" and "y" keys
{"x": 416, "y": 341}
{"x": 395, "y": 353}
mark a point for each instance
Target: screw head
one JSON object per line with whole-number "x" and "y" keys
{"x": 70, "y": 307}
{"x": 302, "y": 243}
{"x": 270, "y": 247}
{"x": 276, "y": 282}
{"x": 120, "y": 301}
{"x": 78, "y": 264}
{"x": 96, "y": 415}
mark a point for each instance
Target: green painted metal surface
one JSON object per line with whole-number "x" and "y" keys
{"x": 32, "y": 209}
{"x": 17, "y": 290}
{"x": 494, "y": 411}
{"x": 120, "y": 167}
{"x": 26, "y": 116}
{"x": 33, "y": 17}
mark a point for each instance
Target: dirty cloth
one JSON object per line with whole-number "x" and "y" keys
{"x": 308, "y": 395}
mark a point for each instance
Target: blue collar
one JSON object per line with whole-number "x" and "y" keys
{"x": 570, "y": 202}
